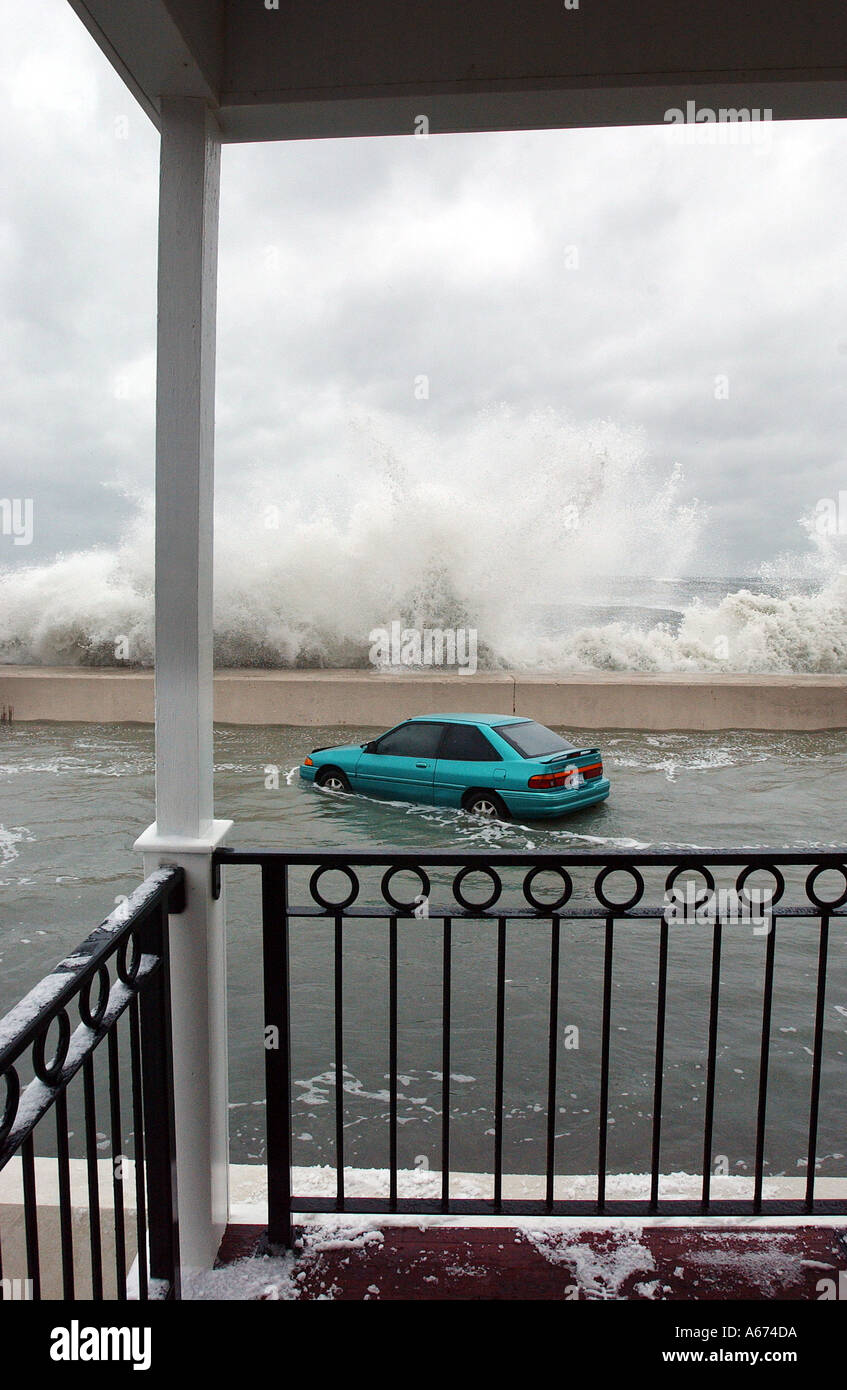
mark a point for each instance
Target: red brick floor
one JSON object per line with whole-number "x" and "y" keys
{"x": 659, "y": 1262}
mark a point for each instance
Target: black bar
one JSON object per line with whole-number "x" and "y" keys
{"x": 711, "y": 1067}
{"x": 392, "y": 1063}
{"x": 658, "y": 1078}
{"x": 138, "y": 1149}
{"x": 277, "y": 995}
{"x": 159, "y": 1121}
{"x": 446, "y": 1005}
{"x": 471, "y": 1206}
{"x": 117, "y": 1162}
{"x": 755, "y": 858}
{"x": 65, "y": 1214}
{"x": 604, "y": 1064}
{"x": 499, "y": 1064}
{"x": 93, "y": 1179}
{"x": 33, "y": 1261}
{"x": 817, "y": 1058}
{"x": 339, "y": 1065}
{"x": 761, "y": 1115}
{"x": 552, "y": 1058}
{"x": 632, "y": 916}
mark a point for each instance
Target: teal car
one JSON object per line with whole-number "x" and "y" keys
{"x": 492, "y": 765}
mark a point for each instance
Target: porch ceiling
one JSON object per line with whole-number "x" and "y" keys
{"x": 336, "y": 69}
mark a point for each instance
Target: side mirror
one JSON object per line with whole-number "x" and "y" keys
{"x": 369, "y": 747}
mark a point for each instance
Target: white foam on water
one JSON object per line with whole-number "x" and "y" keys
{"x": 468, "y": 529}
{"x": 496, "y": 834}
{"x": 10, "y": 838}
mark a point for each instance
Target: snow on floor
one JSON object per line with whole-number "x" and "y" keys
{"x": 343, "y": 1256}
{"x": 599, "y": 1273}
{"x": 281, "y": 1277}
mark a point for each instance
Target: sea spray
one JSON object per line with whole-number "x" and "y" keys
{"x": 745, "y": 632}
{"x": 480, "y": 529}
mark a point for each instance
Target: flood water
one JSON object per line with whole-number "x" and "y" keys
{"x": 73, "y": 798}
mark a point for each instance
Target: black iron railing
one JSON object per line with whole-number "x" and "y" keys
{"x": 125, "y": 1103}
{"x": 759, "y": 894}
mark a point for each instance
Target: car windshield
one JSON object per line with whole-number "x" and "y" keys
{"x": 533, "y": 740}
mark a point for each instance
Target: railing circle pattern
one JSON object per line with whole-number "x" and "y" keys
{"x": 10, "y": 1105}
{"x": 128, "y": 970}
{"x": 49, "y": 1072}
{"x": 397, "y": 903}
{"x": 706, "y": 874}
{"x": 483, "y": 904}
{"x": 92, "y": 1018}
{"x": 778, "y": 880}
{"x": 329, "y": 904}
{"x": 822, "y": 903}
{"x": 538, "y": 903}
{"x": 628, "y": 903}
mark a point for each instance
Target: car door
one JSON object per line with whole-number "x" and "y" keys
{"x": 466, "y": 759}
{"x": 402, "y": 762}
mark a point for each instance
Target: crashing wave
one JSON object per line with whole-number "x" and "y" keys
{"x": 510, "y": 514}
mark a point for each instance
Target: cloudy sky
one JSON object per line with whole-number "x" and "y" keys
{"x": 693, "y": 295}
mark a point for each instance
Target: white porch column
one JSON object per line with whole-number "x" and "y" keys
{"x": 185, "y": 831}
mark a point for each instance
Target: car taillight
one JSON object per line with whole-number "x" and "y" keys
{"x": 544, "y": 780}
{"x": 568, "y": 777}
{"x": 307, "y": 762}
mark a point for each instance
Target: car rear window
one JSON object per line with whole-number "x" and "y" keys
{"x": 533, "y": 740}
{"x": 464, "y": 742}
{"x": 411, "y": 741}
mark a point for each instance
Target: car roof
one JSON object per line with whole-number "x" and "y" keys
{"x": 490, "y": 719}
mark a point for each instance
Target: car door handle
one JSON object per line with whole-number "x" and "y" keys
{"x": 421, "y": 764}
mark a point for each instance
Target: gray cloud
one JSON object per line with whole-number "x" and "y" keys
{"x": 349, "y": 268}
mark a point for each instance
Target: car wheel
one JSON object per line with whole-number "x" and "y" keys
{"x": 486, "y": 804}
{"x": 332, "y": 780}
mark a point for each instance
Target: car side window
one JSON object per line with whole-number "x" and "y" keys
{"x": 416, "y": 740}
{"x": 463, "y": 742}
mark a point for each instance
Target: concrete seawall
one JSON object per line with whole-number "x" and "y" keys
{"x": 614, "y": 700}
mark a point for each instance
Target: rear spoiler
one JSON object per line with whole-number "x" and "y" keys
{"x": 570, "y": 755}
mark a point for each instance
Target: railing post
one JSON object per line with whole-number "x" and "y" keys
{"x": 158, "y": 1110}
{"x": 275, "y": 959}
